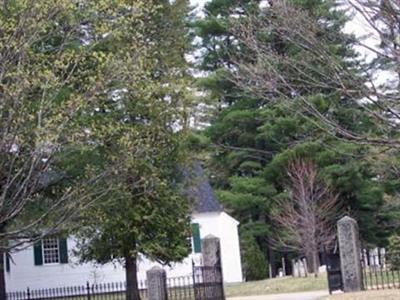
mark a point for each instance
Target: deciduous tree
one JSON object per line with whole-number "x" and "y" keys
{"x": 306, "y": 220}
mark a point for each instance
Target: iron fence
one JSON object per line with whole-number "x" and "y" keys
{"x": 205, "y": 283}
{"x": 381, "y": 269}
{"x": 208, "y": 283}
{"x": 179, "y": 288}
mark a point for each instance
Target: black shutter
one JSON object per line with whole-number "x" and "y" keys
{"x": 7, "y": 256}
{"x": 196, "y": 238}
{"x": 37, "y": 253}
{"x": 62, "y": 243}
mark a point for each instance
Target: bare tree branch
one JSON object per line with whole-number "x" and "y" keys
{"x": 271, "y": 74}
{"x": 307, "y": 219}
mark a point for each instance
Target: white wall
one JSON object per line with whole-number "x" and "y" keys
{"x": 23, "y": 272}
{"x": 220, "y": 225}
{"x": 226, "y": 228}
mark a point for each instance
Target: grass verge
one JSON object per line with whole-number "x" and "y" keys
{"x": 367, "y": 295}
{"x": 277, "y": 286}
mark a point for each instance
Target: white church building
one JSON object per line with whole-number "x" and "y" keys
{"x": 51, "y": 262}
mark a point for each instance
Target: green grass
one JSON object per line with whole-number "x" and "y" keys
{"x": 276, "y": 286}
{"x": 367, "y": 295}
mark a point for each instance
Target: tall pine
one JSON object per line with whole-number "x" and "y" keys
{"x": 254, "y": 139}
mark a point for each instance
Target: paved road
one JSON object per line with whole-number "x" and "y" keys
{"x": 292, "y": 296}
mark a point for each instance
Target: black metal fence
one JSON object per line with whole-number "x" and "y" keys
{"x": 381, "y": 269}
{"x": 179, "y": 288}
{"x": 208, "y": 283}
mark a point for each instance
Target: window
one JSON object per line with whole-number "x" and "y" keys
{"x": 51, "y": 251}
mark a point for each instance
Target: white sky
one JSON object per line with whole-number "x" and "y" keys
{"x": 357, "y": 26}
{"x": 198, "y": 2}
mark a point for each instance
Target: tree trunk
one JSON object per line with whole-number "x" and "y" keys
{"x": 288, "y": 264}
{"x": 272, "y": 262}
{"x": 2, "y": 277}
{"x": 312, "y": 257}
{"x": 132, "y": 288}
{"x": 315, "y": 258}
{"x": 3, "y": 242}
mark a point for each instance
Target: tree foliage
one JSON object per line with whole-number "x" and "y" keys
{"x": 92, "y": 96}
{"x": 288, "y": 78}
{"x": 140, "y": 126}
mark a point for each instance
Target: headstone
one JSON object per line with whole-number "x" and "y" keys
{"x": 350, "y": 258}
{"x": 303, "y": 267}
{"x": 294, "y": 269}
{"x": 157, "y": 284}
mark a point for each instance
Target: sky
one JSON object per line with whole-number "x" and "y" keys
{"x": 357, "y": 26}
{"x": 198, "y": 2}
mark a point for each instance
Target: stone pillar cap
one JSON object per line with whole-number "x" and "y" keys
{"x": 347, "y": 219}
{"x": 209, "y": 237}
{"x": 156, "y": 268}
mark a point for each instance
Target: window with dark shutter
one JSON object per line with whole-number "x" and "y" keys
{"x": 62, "y": 242}
{"x": 50, "y": 251}
{"x": 7, "y": 260}
{"x": 37, "y": 253}
{"x": 196, "y": 238}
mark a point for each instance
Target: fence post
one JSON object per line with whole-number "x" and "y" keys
{"x": 157, "y": 284}
{"x": 350, "y": 250}
{"x": 212, "y": 270}
{"x": 28, "y": 293}
{"x": 88, "y": 290}
{"x": 211, "y": 251}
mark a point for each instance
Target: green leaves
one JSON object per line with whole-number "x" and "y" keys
{"x": 135, "y": 123}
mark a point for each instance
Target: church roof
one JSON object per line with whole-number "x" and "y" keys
{"x": 200, "y": 191}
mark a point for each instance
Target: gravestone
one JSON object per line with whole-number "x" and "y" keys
{"x": 350, "y": 258}
{"x": 157, "y": 284}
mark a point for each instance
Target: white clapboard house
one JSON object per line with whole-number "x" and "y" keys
{"x": 51, "y": 263}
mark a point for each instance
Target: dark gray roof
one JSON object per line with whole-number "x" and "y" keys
{"x": 199, "y": 190}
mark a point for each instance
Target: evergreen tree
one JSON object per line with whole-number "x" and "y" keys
{"x": 136, "y": 128}
{"x": 257, "y": 134}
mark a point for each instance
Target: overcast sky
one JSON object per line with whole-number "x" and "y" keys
{"x": 357, "y": 26}
{"x": 198, "y": 2}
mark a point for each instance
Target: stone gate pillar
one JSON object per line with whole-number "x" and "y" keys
{"x": 157, "y": 284}
{"x": 350, "y": 254}
{"x": 212, "y": 268}
{"x": 211, "y": 251}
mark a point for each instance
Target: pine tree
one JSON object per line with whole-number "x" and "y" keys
{"x": 258, "y": 133}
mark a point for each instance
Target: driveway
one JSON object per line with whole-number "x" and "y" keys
{"x": 292, "y": 296}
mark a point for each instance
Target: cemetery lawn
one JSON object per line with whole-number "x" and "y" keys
{"x": 367, "y": 295}
{"x": 277, "y": 286}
